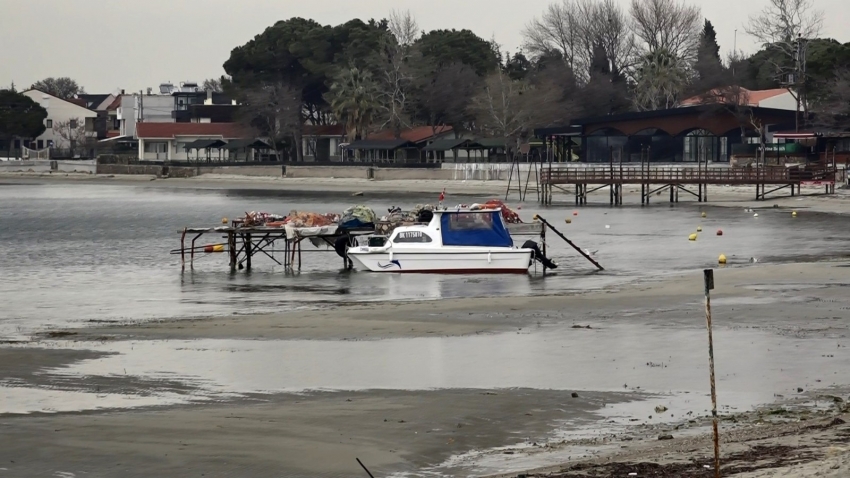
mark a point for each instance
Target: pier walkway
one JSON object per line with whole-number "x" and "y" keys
{"x": 580, "y": 182}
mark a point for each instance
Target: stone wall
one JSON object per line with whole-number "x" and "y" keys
{"x": 47, "y": 165}
{"x": 354, "y": 172}
{"x": 267, "y": 171}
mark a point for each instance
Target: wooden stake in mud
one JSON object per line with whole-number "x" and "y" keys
{"x": 709, "y": 285}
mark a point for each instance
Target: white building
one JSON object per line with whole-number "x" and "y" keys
{"x": 169, "y": 141}
{"x": 62, "y": 113}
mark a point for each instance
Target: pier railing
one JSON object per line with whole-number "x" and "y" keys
{"x": 694, "y": 175}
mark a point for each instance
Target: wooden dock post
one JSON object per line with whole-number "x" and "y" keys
{"x": 183, "y": 249}
{"x": 231, "y": 246}
{"x": 248, "y": 250}
{"x": 708, "y": 275}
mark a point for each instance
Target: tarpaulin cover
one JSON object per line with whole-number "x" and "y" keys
{"x": 474, "y": 229}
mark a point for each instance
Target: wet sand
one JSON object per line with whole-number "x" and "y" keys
{"x": 659, "y": 301}
{"x": 314, "y": 435}
{"x": 320, "y": 434}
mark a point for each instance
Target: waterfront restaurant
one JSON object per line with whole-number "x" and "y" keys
{"x": 703, "y": 133}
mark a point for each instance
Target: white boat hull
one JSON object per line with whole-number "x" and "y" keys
{"x": 444, "y": 261}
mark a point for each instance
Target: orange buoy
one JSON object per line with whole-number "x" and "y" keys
{"x": 720, "y": 232}
{"x": 575, "y": 213}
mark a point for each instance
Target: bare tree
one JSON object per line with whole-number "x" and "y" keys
{"x": 557, "y": 29}
{"x": 574, "y": 27}
{"x": 783, "y": 27}
{"x": 608, "y": 24}
{"x": 668, "y": 25}
{"x": 396, "y": 51}
{"x": 75, "y": 137}
{"x": 510, "y": 109}
{"x": 499, "y": 109}
{"x": 274, "y": 110}
{"x": 212, "y": 84}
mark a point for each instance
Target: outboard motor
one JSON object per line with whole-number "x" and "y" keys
{"x": 341, "y": 245}
{"x": 538, "y": 255}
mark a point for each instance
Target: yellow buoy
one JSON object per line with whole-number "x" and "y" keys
{"x": 568, "y": 221}
{"x": 721, "y": 259}
{"x": 794, "y": 214}
{"x": 224, "y": 220}
{"x": 699, "y": 228}
{"x": 704, "y": 214}
{"x": 692, "y": 237}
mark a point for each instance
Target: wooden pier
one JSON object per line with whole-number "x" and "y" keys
{"x": 691, "y": 180}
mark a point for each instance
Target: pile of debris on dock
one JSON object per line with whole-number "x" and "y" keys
{"x": 258, "y": 232}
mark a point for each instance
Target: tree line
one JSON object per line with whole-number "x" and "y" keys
{"x": 578, "y": 58}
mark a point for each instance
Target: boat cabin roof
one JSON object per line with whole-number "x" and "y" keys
{"x": 465, "y": 211}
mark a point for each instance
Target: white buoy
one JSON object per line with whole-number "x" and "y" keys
{"x": 756, "y": 215}
{"x": 607, "y": 226}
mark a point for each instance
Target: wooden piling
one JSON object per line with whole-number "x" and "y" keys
{"x": 249, "y": 246}
{"x": 708, "y": 276}
{"x": 183, "y": 249}
{"x": 231, "y": 246}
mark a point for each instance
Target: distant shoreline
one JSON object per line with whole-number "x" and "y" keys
{"x": 719, "y": 196}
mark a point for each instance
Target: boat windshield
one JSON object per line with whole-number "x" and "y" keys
{"x": 475, "y": 229}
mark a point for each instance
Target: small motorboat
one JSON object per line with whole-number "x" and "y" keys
{"x": 464, "y": 241}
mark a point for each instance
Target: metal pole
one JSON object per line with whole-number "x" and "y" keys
{"x": 708, "y": 275}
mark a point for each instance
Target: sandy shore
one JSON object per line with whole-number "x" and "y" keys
{"x": 776, "y": 442}
{"x": 455, "y": 430}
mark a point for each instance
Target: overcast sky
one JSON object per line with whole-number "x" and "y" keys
{"x": 134, "y": 44}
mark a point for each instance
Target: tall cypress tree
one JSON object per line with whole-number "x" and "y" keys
{"x": 708, "y": 64}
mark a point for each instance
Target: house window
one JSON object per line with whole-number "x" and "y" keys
{"x": 154, "y": 147}
{"x": 72, "y": 124}
{"x": 50, "y": 123}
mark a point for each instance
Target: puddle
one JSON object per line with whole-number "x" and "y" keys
{"x": 37, "y": 400}
{"x": 752, "y": 365}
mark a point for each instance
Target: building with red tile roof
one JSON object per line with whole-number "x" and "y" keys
{"x": 175, "y": 141}
{"x": 778, "y": 98}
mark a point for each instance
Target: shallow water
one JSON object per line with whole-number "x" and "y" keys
{"x": 616, "y": 357}
{"x": 73, "y": 253}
